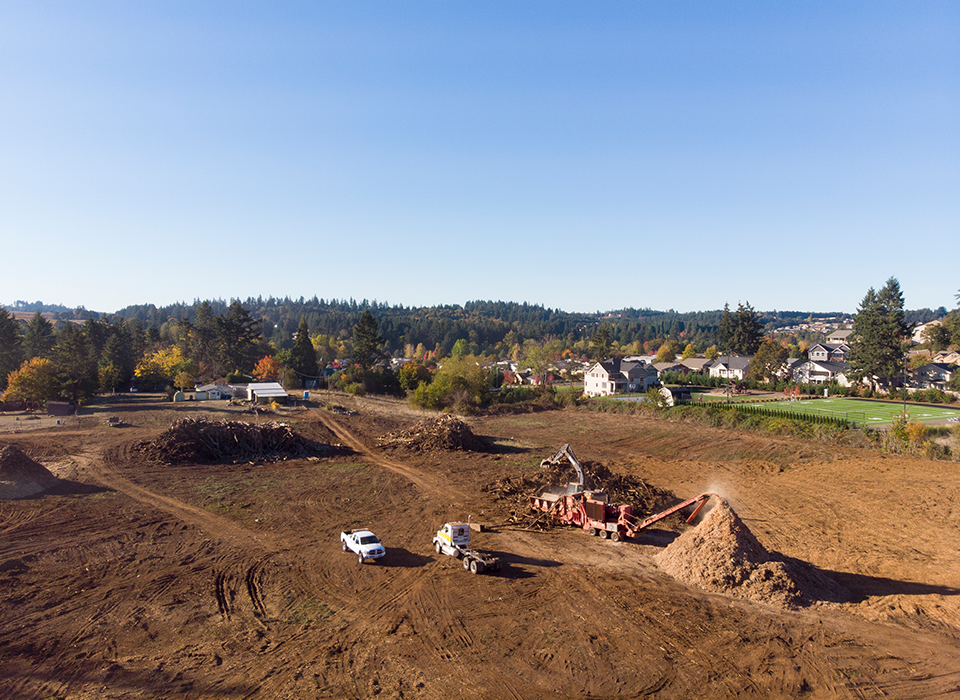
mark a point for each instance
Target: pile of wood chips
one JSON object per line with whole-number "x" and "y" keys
{"x": 445, "y": 432}
{"x": 621, "y": 489}
{"x": 20, "y": 476}
{"x": 721, "y": 554}
{"x": 200, "y": 440}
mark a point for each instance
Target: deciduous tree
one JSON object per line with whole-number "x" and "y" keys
{"x": 34, "y": 383}
{"x": 267, "y": 369}
{"x": 768, "y": 361}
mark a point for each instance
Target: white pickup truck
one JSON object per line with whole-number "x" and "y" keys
{"x": 363, "y": 543}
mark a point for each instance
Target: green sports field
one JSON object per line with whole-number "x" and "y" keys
{"x": 860, "y": 412}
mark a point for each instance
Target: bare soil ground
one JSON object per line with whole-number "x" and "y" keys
{"x": 135, "y": 579}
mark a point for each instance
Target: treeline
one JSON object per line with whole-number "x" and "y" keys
{"x": 489, "y": 327}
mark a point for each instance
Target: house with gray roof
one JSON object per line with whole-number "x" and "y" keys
{"x": 617, "y": 375}
{"x": 731, "y": 367}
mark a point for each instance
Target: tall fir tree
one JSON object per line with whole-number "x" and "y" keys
{"x": 367, "y": 341}
{"x": 11, "y": 346}
{"x": 303, "y": 356}
{"x": 879, "y": 335}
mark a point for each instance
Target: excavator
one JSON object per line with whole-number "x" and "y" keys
{"x": 591, "y": 511}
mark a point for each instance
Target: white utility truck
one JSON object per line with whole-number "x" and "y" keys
{"x": 363, "y": 543}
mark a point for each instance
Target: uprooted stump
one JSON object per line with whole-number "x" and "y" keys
{"x": 515, "y": 492}
{"x": 200, "y": 440}
{"x": 445, "y": 432}
{"x": 722, "y": 555}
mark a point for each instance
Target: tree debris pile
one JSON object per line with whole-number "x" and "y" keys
{"x": 20, "y": 476}
{"x": 722, "y": 555}
{"x": 199, "y": 440}
{"x": 515, "y": 492}
{"x": 445, "y": 432}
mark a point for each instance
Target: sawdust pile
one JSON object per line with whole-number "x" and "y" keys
{"x": 514, "y": 492}
{"x": 21, "y": 476}
{"x": 199, "y": 440}
{"x": 445, "y": 432}
{"x": 722, "y": 555}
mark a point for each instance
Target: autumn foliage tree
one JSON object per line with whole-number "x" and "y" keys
{"x": 34, "y": 383}
{"x": 267, "y": 369}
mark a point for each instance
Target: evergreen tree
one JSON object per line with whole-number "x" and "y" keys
{"x": 747, "y": 330}
{"x": 367, "y": 341}
{"x": 11, "y": 346}
{"x": 237, "y": 335}
{"x": 76, "y": 369}
{"x": 725, "y": 331}
{"x": 39, "y": 338}
{"x": 303, "y": 356}
{"x": 879, "y": 333}
{"x": 600, "y": 343}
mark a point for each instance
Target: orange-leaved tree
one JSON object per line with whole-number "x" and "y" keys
{"x": 267, "y": 369}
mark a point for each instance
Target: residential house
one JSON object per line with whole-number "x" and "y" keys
{"x": 934, "y": 375}
{"x": 697, "y": 364}
{"x": 618, "y": 375}
{"x": 731, "y": 367}
{"x": 213, "y": 392}
{"x": 829, "y": 352}
{"x": 821, "y": 372}
{"x": 840, "y": 336}
{"x": 662, "y": 367}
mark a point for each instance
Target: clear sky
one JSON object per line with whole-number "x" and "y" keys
{"x": 586, "y": 156}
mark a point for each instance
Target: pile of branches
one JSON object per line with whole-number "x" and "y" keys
{"x": 514, "y": 492}
{"x": 444, "y": 432}
{"x": 191, "y": 440}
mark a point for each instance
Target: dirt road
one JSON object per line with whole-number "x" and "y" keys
{"x": 197, "y": 581}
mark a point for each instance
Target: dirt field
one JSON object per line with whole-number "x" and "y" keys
{"x": 131, "y": 579}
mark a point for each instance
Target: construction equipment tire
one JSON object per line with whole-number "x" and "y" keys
{"x": 592, "y": 531}
{"x": 466, "y": 563}
{"x": 604, "y": 534}
{"x": 436, "y": 545}
{"x": 344, "y": 545}
{"x": 476, "y": 567}
{"x": 615, "y": 536}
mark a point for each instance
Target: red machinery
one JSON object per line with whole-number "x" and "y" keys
{"x": 589, "y": 510}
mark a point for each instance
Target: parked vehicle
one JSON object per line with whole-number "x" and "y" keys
{"x": 363, "y": 543}
{"x": 453, "y": 539}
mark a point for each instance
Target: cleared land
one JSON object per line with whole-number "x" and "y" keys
{"x": 138, "y": 579}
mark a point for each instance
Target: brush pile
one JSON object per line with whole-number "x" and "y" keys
{"x": 21, "y": 476}
{"x": 199, "y": 440}
{"x": 514, "y": 492}
{"x": 722, "y": 555}
{"x": 445, "y": 432}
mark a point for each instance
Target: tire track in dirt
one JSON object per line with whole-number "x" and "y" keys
{"x": 218, "y": 527}
{"x": 426, "y": 483}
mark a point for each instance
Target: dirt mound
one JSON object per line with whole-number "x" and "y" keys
{"x": 514, "y": 492}
{"x": 722, "y": 555}
{"x": 199, "y": 440}
{"x": 445, "y": 432}
{"x": 20, "y": 476}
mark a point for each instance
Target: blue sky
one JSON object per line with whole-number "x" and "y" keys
{"x": 585, "y": 156}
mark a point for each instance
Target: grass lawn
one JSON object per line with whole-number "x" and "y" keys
{"x": 863, "y": 412}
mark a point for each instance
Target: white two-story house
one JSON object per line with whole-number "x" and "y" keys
{"x": 617, "y": 375}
